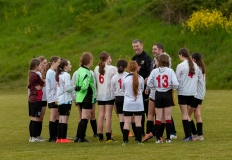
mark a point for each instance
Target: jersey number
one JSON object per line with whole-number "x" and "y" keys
{"x": 164, "y": 81}
{"x": 120, "y": 83}
{"x": 101, "y": 78}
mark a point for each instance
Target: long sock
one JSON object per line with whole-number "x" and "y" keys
{"x": 186, "y": 128}
{"x": 121, "y": 126}
{"x": 59, "y": 131}
{"x": 55, "y": 127}
{"x": 108, "y": 136}
{"x": 153, "y": 130}
{"x": 39, "y": 128}
{"x": 149, "y": 126}
{"x": 125, "y": 135}
{"x": 199, "y": 128}
{"x": 143, "y": 123}
{"x": 77, "y": 134}
{"x": 83, "y": 126}
{"x": 52, "y": 129}
{"x": 30, "y": 130}
{"x": 34, "y": 127}
{"x": 133, "y": 128}
{"x": 100, "y": 136}
{"x": 139, "y": 133}
{"x": 193, "y": 128}
{"x": 64, "y": 127}
{"x": 168, "y": 128}
{"x": 158, "y": 129}
{"x": 173, "y": 129}
{"x": 162, "y": 129}
{"x": 94, "y": 126}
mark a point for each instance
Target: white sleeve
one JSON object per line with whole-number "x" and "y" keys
{"x": 150, "y": 81}
{"x": 68, "y": 84}
{"x": 174, "y": 82}
{"x": 141, "y": 87}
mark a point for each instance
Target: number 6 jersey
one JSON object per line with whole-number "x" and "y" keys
{"x": 162, "y": 79}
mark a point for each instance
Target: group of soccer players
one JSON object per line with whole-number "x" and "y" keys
{"x": 145, "y": 89}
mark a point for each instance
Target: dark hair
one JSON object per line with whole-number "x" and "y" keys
{"x": 52, "y": 59}
{"x": 32, "y": 65}
{"x": 42, "y": 58}
{"x": 121, "y": 65}
{"x": 163, "y": 60}
{"x": 133, "y": 67}
{"x": 198, "y": 58}
{"x": 185, "y": 53}
{"x": 86, "y": 58}
{"x": 159, "y": 46}
{"x": 137, "y": 40}
{"x": 103, "y": 56}
{"x": 63, "y": 63}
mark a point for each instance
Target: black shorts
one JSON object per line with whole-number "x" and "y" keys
{"x": 119, "y": 100}
{"x": 196, "y": 102}
{"x": 164, "y": 99}
{"x": 44, "y": 103}
{"x": 128, "y": 113}
{"x": 185, "y": 100}
{"x": 34, "y": 109}
{"x": 85, "y": 105}
{"x": 52, "y": 105}
{"x": 110, "y": 102}
{"x": 64, "y": 109}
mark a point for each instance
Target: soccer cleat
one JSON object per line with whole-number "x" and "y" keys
{"x": 52, "y": 140}
{"x": 187, "y": 139}
{"x": 110, "y": 140}
{"x": 124, "y": 143}
{"x": 95, "y": 135}
{"x": 147, "y": 136}
{"x": 30, "y": 139}
{"x": 41, "y": 139}
{"x": 158, "y": 141}
{"x": 34, "y": 139}
{"x": 130, "y": 134}
{"x": 58, "y": 140}
{"x": 65, "y": 140}
{"x": 173, "y": 136}
{"x": 100, "y": 140}
{"x": 194, "y": 136}
{"x": 140, "y": 143}
{"x": 168, "y": 140}
{"x": 76, "y": 139}
{"x": 83, "y": 140}
{"x": 198, "y": 138}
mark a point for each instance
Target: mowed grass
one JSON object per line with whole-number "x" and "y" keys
{"x": 216, "y": 114}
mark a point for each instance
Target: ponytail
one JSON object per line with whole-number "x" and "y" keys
{"x": 133, "y": 67}
{"x": 60, "y": 68}
{"x": 101, "y": 65}
{"x": 185, "y": 53}
{"x": 198, "y": 60}
{"x": 103, "y": 56}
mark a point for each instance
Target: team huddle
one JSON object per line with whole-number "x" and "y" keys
{"x": 143, "y": 87}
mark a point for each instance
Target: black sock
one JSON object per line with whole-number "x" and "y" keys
{"x": 139, "y": 134}
{"x": 173, "y": 129}
{"x": 100, "y": 136}
{"x": 77, "y": 134}
{"x": 142, "y": 123}
{"x": 162, "y": 129}
{"x": 149, "y": 126}
{"x": 59, "y": 131}
{"x": 64, "y": 127}
{"x": 125, "y": 135}
{"x": 121, "y": 126}
{"x": 52, "y": 130}
{"x": 199, "y": 128}
{"x": 39, "y": 128}
{"x": 153, "y": 130}
{"x": 83, "y": 126}
{"x": 186, "y": 128}
{"x": 56, "y": 124}
{"x": 133, "y": 128}
{"x": 30, "y": 130}
{"x": 158, "y": 129}
{"x": 34, "y": 128}
{"x": 94, "y": 126}
{"x": 193, "y": 128}
{"x": 168, "y": 128}
{"x": 108, "y": 136}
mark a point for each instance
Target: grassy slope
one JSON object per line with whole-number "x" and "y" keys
{"x": 50, "y": 28}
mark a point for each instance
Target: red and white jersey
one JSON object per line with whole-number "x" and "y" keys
{"x": 116, "y": 83}
{"x": 64, "y": 89}
{"x": 187, "y": 81}
{"x": 51, "y": 86}
{"x": 162, "y": 79}
{"x": 103, "y": 87}
{"x": 201, "y": 89}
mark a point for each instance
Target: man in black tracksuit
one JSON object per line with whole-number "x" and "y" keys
{"x": 144, "y": 61}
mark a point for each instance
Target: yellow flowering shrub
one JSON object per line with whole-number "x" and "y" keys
{"x": 205, "y": 21}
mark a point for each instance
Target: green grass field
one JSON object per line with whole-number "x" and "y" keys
{"x": 216, "y": 114}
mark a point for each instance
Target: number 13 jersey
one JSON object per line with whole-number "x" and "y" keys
{"x": 103, "y": 88}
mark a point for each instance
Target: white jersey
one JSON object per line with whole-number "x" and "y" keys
{"x": 44, "y": 97}
{"x": 116, "y": 83}
{"x": 73, "y": 81}
{"x": 187, "y": 82}
{"x": 130, "y": 103}
{"x": 201, "y": 89}
{"x": 51, "y": 86}
{"x": 64, "y": 89}
{"x": 104, "y": 92}
{"x": 94, "y": 84}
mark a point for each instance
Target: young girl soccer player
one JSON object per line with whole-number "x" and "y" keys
{"x": 84, "y": 93}
{"x": 44, "y": 98}
{"x": 187, "y": 74}
{"x": 51, "y": 87}
{"x": 116, "y": 86}
{"x": 103, "y": 74}
{"x": 198, "y": 98}
{"x": 34, "y": 99}
{"x": 163, "y": 79}
{"x": 133, "y": 86}
{"x": 64, "y": 96}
